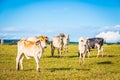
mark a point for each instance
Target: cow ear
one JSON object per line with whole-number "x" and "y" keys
{"x": 38, "y": 42}
{"x": 81, "y": 40}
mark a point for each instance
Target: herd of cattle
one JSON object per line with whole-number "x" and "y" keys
{"x": 34, "y": 47}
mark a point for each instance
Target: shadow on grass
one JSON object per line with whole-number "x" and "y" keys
{"x": 105, "y": 62}
{"x": 72, "y": 56}
{"x": 28, "y": 70}
{"x": 75, "y": 56}
{"x": 113, "y": 55}
{"x": 100, "y": 56}
{"x": 66, "y": 69}
{"x": 60, "y": 57}
{"x": 53, "y": 69}
{"x": 54, "y": 56}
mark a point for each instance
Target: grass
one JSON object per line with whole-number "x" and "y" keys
{"x": 65, "y": 68}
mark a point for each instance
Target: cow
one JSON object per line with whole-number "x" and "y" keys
{"x": 57, "y": 42}
{"x": 2, "y": 41}
{"x": 65, "y": 43}
{"x": 82, "y": 48}
{"x": 96, "y": 42}
{"x": 30, "y": 49}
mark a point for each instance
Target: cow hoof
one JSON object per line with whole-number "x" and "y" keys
{"x": 21, "y": 68}
{"x": 17, "y": 69}
{"x": 38, "y": 70}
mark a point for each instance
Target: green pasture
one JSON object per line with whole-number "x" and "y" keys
{"x": 65, "y": 68}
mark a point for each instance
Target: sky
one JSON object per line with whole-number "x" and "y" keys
{"x": 78, "y": 18}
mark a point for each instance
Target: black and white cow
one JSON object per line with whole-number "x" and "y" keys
{"x": 96, "y": 42}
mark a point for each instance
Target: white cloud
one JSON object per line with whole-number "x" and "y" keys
{"x": 8, "y": 35}
{"x": 9, "y": 29}
{"x": 110, "y": 36}
{"x": 117, "y": 26}
{"x": 111, "y": 28}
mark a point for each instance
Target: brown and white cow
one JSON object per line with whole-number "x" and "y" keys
{"x": 30, "y": 49}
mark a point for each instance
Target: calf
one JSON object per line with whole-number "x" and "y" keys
{"x": 82, "y": 48}
{"x": 29, "y": 49}
{"x": 96, "y": 42}
{"x": 57, "y": 42}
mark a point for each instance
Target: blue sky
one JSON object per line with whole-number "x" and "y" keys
{"x": 78, "y": 18}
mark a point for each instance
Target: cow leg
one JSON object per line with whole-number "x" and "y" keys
{"x": 83, "y": 58}
{"x": 60, "y": 52}
{"x": 98, "y": 47}
{"x": 67, "y": 48}
{"x": 88, "y": 54}
{"x": 64, "y": 47}
{"x": 52, "y": 51}
{"x": 79, "y": 54}
{"x": 88, "y": 51}
{"x": 37, "y": 62}
{"x": 21, "y": 60}
{"x": 102, "y": 49}
{"x": 98, "y": 51}
{"x": 17, "y": 60}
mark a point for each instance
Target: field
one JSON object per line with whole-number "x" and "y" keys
{"x": 65, "y": 68}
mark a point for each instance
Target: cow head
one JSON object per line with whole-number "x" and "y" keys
{"x": 83, "y": 41}
{"x": 43, "y": 40}
{"x": 60, "y": 39}
{"x": 66, "y": 39}
{"x": 38, "y": 42}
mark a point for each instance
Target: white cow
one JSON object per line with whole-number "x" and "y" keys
{"x": 29, "y": 49}
{"x": 2, "y": 41}
{"x": 57, "y": 42}
{"x": 82, "y": 48}
{"x": 66, "y": 43}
